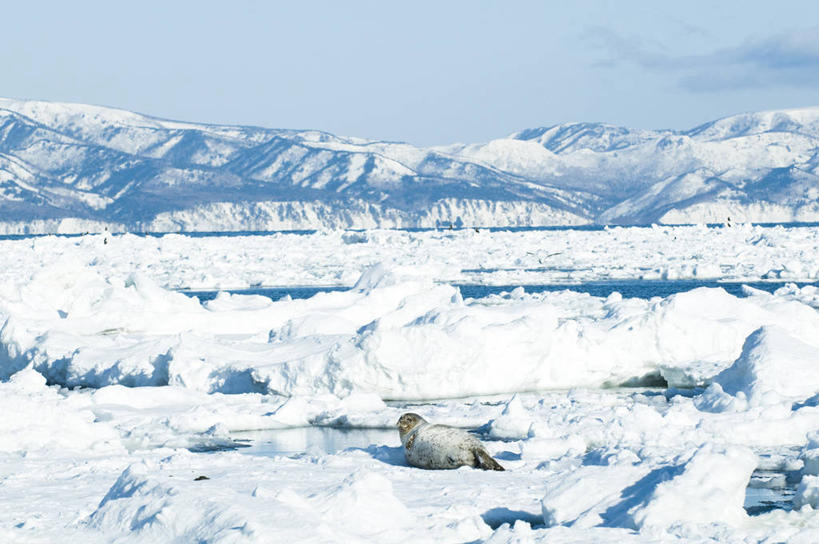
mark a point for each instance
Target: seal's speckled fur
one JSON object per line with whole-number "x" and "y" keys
{"x": 439, "y": 446}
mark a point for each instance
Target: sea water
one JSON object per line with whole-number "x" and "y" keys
{"x": 644, "y": 289}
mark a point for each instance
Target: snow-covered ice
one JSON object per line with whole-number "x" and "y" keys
{"x": 337, "y": 258}
{"x": 125, "y": 401}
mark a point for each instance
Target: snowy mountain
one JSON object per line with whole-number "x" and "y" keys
{"x": 71, "y": 168}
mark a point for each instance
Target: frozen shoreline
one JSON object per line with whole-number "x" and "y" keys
{"x": 161, "y": 374}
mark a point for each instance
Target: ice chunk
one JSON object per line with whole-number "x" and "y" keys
{"x": 515, "y": 421}
{"x": 773, "y": 365}
{"x": 807, "y": 493}
{"x": 158, "y": 508}
{"x": 364, "y": 503}
{"x": 709, "y": 488}
{"x": 715, "y": 399}
{"x": 27, "y": 380}
{"x": 384, "y": 275}
{"x": 810, "y": 455}
{"x": 593, "y": 495}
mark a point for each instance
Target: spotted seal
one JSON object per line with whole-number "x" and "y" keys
{"x": 439, "y": 446}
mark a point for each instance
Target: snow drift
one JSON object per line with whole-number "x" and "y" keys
{"x": 401, "y": 336}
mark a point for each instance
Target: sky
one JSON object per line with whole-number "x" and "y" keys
{"x": 423, "y": 72}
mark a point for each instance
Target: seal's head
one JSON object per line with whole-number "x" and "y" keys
{"x": 408, "y": 422}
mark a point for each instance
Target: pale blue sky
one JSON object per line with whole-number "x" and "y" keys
{"x": 426, "y": 72}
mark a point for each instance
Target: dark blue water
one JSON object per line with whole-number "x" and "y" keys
{"x": 773, "y": 484}
{"x": 274, "y": 293}
{"x": 203, "y": 234}
{"x": 644, "y": 289}
{"x": 207, "y": 234}
{"x": 238, "y": 233}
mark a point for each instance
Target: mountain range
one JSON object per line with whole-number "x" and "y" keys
{"x": 75, "y": 168}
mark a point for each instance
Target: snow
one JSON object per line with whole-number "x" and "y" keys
{"x": 709, "y": 488}
{"x": 810, "y": 455}
{"x": 388, "y": 334}
{"x": 336, "y": 258}
{"x": 100, "y": 166}
{"x": 518, "y": 157}
{"x": 275, "y": 215}
{"x": 807, "y": 494}
{"x": 761, "y": 375}
{"x": 124, "y": 401}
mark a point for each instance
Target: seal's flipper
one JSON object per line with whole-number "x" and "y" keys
{"x": 485, "y": 461}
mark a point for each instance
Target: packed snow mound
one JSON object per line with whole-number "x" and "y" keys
{"x": 810, "y": 455}
{"x": 708, "y": 488}
{"x": 162, "y": 502}
{"x": 398, "y": 335}
{"x": 773, "y": 365}
{"x": 24, "y": 430}
{"x": 515, "y": 422}
{"x": 808, "y": 294}
{"x": 363, "y": 504}
{"x": 161, "y": 509}
{"x": 807, "y": 493}
{"x": 593, "y": 495}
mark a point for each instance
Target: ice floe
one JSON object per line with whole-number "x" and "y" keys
{"x": 124, "y": 402}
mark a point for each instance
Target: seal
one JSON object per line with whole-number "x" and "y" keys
{"x": 441, "y": 447}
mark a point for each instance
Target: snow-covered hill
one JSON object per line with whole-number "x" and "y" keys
{"x": 71, "y": 167}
